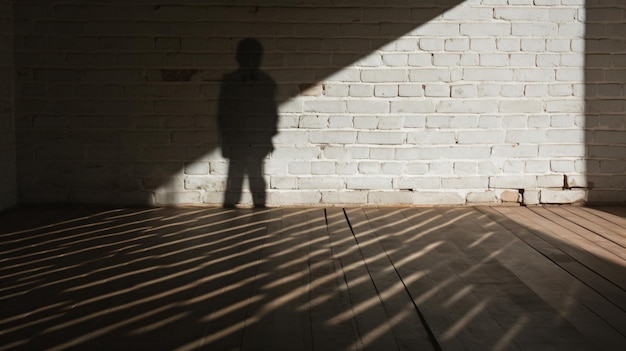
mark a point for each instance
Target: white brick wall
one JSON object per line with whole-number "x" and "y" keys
{"x": 8, "y": 186}
{"x": 475, "y": 102}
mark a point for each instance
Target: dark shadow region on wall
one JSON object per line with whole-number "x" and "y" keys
{"x": 605, "y": 101}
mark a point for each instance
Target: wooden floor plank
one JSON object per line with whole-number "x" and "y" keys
{"x": 367, "y": 308}
{"x": 327, "y": 292}
{"x": 618, "y": 213}
{"x": 231, "y": 281}
{"x": 468, "y": 322}
{"x": 277, "y": 320}
{"x": 497, "y": 279}
{"x": 405, "y": 323}
{"x": 591, "y": 312}
{"x": 611, "y": 222}
{"x": 609, "y": 240}
{"x": 597, "y": 259}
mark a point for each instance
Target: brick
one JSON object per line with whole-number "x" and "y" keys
{"x": 385, "y": 90}
{"x": 361, "y": 90}
{"x": 333, "y": 137}
{"x": 486, "y": 29}
{"x": 387, "y": 197}
{"x": 418, "y": 153}
{"x": 412, "y": 106}
{"x": 562, "y": 166}
{"x": 367, "y": 106}
{"x": 516, "y": 121}
{"x": 466, "y": 168}
{"x": 389, "y": 75}
{"x": 438, "y": 121}
{"x": 537, "y": 166}
{"x": 465, "y": 152}
{"x": 609, "y": 136}
{"x": 381, "y": 137}
{"x": 320, "y": 183}
{"x": 324, "y": 106}
{"x": 488, "y": 74}
{"x": 513, "y": 182}
{"x": 294, "y": 198}
{"x": 568, "y": 136}
{"x": 484, "y": 197}
{"x": 429, "y": 75}
{"x": 406, "y": 44}
{"x": 531, "y": 197}
{"x": 417, "y": 183}
{"x": 442, "y": 168}
{"x": 494, "y": 60}
{"x": 291, "y": 137}
{"x": 521, "y": 106}
{"x": 463, "y": 91}
{"x": 420, "y": 59}
{"x": 534, "y": 29}
{"x": 283, "y": 183}
{"x": 431, "y": 44}
{"x": 336, "y": 90}
{"x": 533, "y": 45}
{"x": 513, "y": 166}
{"x": 369, "y": 167}
{"x": 431, "y": 137}
{"x": 392, "y": 168}
{"x": 510, "y": 196}
{"x": 466, "y": 182}
{"x": 387, "y": 153}
{"x": 438, "y": 198}
{"x": 393, "y": 60}
{"x": 562, "y": 150}
{"x": 177, "y": 198}
{"x": 296, "y": 153}
{"x": 480, "y": 137}
{"x": 368, "y": 183}
{"x": 446, "y": 59}
{"x": 535, "y": 75}
{"x": 414, "y": 121}
{"x": 415, "y": 168}
{"x": 456, "y": 44}
{"x": 435, "y": 29}
{"x": 526, "y": 136}
{"x": 365, "y": 122}
{"x": 345, "y": 197}
{"x": 562, "y": 196}
{"x": 467, "y": 106}
{"x": 508, "y": 44}
{"x": 299, "y": 167}
{"x": 390, "y": 122}
{"x": 346, "y": 168}
{"x": 313, "y": 122}
{"x": 515, "y": 150}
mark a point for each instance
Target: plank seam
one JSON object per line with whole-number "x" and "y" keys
{"x": 429, "y": 331}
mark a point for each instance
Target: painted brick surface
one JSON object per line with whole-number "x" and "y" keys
{"x": 406, "y": 103}
{"x": 8, "y": 186}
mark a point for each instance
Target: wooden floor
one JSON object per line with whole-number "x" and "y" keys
{"x": 484, "y": 278}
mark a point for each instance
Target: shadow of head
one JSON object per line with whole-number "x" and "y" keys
{"x": 249, "y": 53}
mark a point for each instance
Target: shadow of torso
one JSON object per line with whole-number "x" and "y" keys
{"x": 247, "y": 118}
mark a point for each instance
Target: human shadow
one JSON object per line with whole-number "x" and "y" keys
{"x": 247, "y": 117}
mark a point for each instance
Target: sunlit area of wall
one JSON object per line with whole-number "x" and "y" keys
{"x": 483, "y": 103}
